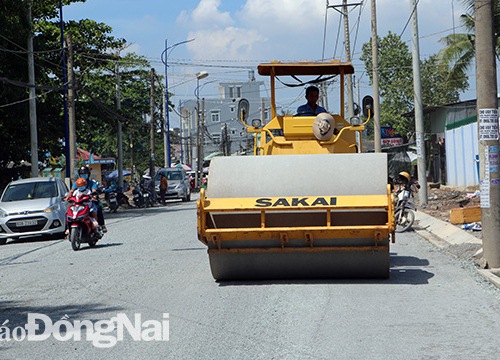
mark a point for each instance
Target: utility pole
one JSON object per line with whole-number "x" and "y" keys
{"x": 181, "y": 130}
{"x": 377, "y": 135}
{"x": 198, "y": 144}
{"x": 350, "y": 96}
{"x": 65, "y": 93}
{"x": 324, "y": 96}
{"x": 487, "y": 108}
{"x": 166, "y": 142}
{"x": 200, "y": 128}
{"x": 166, "y": 100}
{"x": 419, "y": 113}
{"x": 263, "y": 111}
{"x": 71, "y": 107}
{"x": 119, "y": 129}
{"x": 132, "y": 164}
{"x": 152, "y": 126}
{"x": 202, "y": 140}
{"x": 226, "y": 145}
{"x": 190, "y": 153}
{"x": 32, "y": 97}
{"x": 345, "y": 13}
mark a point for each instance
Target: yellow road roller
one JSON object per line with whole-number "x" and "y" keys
{"x": 307, "y": 205}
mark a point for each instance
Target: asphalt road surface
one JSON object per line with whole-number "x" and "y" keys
{"x": 150, "y": 264}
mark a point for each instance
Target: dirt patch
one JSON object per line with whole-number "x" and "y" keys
{"x": 441, "y": 200}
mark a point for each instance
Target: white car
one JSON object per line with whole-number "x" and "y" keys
{"x": 33, "y": 207}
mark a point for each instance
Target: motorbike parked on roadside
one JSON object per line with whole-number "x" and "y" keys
{"x": 147, "y": 196}
{"x": 111, "y": 198}
{"x": 82, "y": 227}
{"x": 142, "y": 197}
{"x": 115, "y": 197}
{"x": 137, "y": 196}
{"x": 404, "y": 187}
{"x": 404, "y": 213}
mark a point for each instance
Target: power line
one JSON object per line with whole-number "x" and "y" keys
{"x": 358, "y": 22}
{"x": 409, "y": 18}
{"x": 27, "y": 99}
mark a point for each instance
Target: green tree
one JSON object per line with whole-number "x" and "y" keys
{"x": 459, "y": 51}
{"x": 99, "y": 114}
{"x": 14, "y": 131}
{"x": 89, "y": 38}
{"x": 439, "y": 86}
{"x": 395, "y": 80}
{"x": 95, "y": 55}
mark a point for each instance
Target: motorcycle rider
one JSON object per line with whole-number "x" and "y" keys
{"x": 404, "y": 180}
{"x": 84, "y": 173}
{"x": 81, "y": 190}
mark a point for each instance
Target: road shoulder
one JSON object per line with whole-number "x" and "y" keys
{"x": 456, "y": 241}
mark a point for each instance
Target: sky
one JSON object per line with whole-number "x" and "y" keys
{"x": 234, "y": 36}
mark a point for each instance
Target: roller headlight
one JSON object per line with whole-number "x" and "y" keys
{"x": 256, "y": 123}
{"x": 355, "y": 121}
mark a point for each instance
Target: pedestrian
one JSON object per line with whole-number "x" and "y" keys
{"x": 163, "y": 188}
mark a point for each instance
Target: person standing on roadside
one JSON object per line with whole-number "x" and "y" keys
{"x": 163, "y": 188}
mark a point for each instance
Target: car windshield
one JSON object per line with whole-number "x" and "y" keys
{"x": 28, "y": 191}
{"x": 170, "y": 175}
{"x": 174, "y": 175}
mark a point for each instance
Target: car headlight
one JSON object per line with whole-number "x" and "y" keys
{"x": 3, "y": 213}
{"x": 52, "y": 208}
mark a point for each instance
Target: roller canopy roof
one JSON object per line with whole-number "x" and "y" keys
{"x": 333, "y": 67}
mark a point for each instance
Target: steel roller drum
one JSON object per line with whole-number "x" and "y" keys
{"x": 296, "y": 176}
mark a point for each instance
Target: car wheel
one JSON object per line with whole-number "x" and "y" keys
{"x": 3, "y": 241}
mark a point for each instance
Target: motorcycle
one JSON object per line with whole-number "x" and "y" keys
{"x": 147, "y": 196}
{"x": 404, "y": 214}
{"x": 142, "y": 197}
{"x": 80, "y": 224}
{"x": 122, "y": 198}
{"x": 138, "y": 197}
{"x": 115, "y": 197}
{"x": 111, "y": 199}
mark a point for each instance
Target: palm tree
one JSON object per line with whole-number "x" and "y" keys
{"x": 459, "y": 50}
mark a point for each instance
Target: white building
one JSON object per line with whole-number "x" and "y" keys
{"x": 224, "y": 131}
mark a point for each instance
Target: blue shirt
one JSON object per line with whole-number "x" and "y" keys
{"x": 307, "y": 110}
{"x": 91, "y": 184}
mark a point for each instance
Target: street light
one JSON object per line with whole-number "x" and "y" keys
{"x": 167, "y": 112}
{"x": 200, "y": 128}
